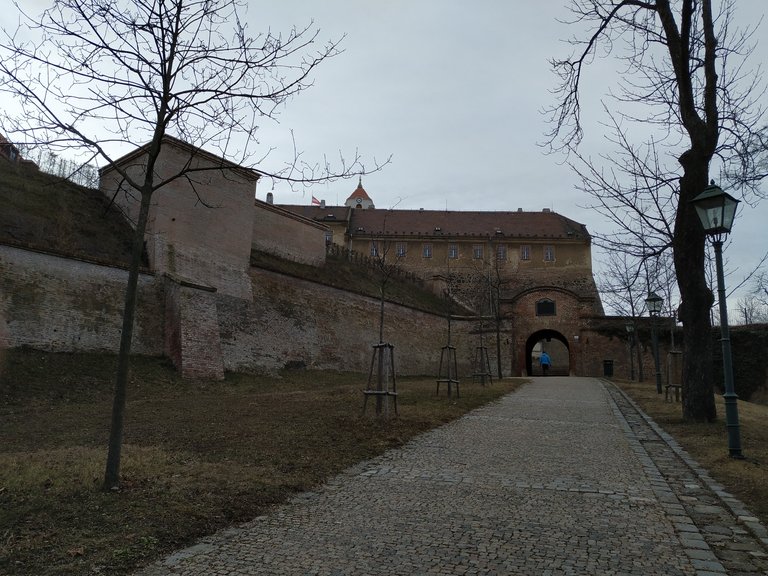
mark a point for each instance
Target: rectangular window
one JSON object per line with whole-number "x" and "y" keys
{"x": 525, "y": 252}
{"x": 426, "y": 250}
{"x": 546, "y": 307}
{"x": 401, "y": 249}
{"x": 453, "y": 251}
{"x": 374, "y": 249}
{"x": 477, "y": 251}
{"x": 549, "y": 253}
{"x": 501, "y": 252}
{"x": 328, "y": 237}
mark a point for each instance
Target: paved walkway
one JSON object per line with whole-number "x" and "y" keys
{"x": 563, "y": 477}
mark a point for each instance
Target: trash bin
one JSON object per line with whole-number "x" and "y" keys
{"x": 607, "y": 367}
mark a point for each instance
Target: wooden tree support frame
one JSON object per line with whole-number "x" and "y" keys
{"x": 482, "y": 366}
{"x": 381, "y": 379}
{"x": 451, "y": 374}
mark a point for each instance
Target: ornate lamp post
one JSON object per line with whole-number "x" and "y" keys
{"x": 716, "y": 210}
{"x": 631, "y": 337}
{"x": 654, "y": 302}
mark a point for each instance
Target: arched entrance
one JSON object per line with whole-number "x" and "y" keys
{"x": 556, "y": 346}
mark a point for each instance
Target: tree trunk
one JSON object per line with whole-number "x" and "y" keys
{"x": 697, "y": 299}
{"x": 498, "y": 348}
{"x": 112, "y": 471}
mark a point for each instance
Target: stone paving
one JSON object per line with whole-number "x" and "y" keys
{"x": 566, "y": 476}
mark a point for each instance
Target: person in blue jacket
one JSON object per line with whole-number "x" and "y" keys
{"x": 545, "y": 363}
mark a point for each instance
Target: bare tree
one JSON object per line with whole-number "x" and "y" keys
{"x": 752, "y": 310}
{"x": 102, "y": 77}
{"x": 621, "y": 284}
{"x": 689, "y": 99}
{"x": 761, "y": 288}
{"x": 386, "y": 255}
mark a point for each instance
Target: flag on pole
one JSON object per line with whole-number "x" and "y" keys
{"x": 315, "y": 201}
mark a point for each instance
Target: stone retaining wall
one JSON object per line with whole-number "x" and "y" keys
{"x": 65, "y": 305}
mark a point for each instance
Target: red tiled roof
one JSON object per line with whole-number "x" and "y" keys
{"x": 438, "y": 223}
{"x": 360, "y": 193}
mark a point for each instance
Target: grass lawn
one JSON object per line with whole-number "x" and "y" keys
{"x": 707, "y": 443}
{"x": 197, "y": 456}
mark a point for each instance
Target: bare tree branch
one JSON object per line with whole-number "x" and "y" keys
{"x": 102, "y": 77}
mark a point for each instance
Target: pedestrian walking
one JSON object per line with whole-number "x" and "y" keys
{"x": 545, "y": 363}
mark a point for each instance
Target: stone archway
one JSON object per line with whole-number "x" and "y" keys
{"x": 560, "y": 352}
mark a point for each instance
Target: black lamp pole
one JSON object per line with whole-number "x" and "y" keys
{"x": 730, "y": 396}
{"x": 716, "y": 210}
{"x": 654, "y": 303}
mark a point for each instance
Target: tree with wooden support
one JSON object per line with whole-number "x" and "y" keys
{"x": 447, "y": 372}
{"x": 481, "y": 364}
{"x": 381, "y": 376}
{"x": 382, "y": 383}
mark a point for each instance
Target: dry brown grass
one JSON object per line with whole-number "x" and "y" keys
{"x": 707, "y": 443}
{"x": 197, "y": 456}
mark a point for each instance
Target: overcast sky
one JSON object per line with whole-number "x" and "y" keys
{"x": 453, "y": 91}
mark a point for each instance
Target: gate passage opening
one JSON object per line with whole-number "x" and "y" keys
{"x": 554, "y": 344}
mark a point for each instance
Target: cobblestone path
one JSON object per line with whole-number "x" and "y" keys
{"x": 563, "y": 477}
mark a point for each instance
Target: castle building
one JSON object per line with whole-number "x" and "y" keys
{"x": 525, "y": 278}
{"x": 527, "y": 274}
{"x": 532, "y": 270}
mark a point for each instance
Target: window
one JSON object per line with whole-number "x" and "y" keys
{"x": 453, "y": 251}
{"x": 546, "y": 307}
{"x": 328, "y": 237}
{"x": 401, "y": 249}
{"x": 477, "y": 251}
{"x": 374, "y": 249}
{"x": 426, "y": 250}
{"x": 549, "y": 253}
{"x": 501, "y": 252}
{"x": 525, "y": 252}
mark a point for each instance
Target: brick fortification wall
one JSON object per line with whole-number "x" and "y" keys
{"x": 67, "y": 305}
{"x": 294, "y": 322}
{"x": 192, "y": 329}
{"x": 59, "y": 304}
{"x": 283, "y": 233}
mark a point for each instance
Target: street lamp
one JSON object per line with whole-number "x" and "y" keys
{"x": 654, "y": 302}
{"x": 631, "y": 337}
{"x": 716, "y": 210}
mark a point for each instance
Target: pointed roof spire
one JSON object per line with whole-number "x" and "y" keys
{"x": 360, "y": 192}
{"x": 359, "y": 198}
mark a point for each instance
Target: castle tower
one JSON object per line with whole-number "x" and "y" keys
{"x": 359, "y": 198}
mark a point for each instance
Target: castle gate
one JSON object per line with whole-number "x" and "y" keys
{"x": 547, "y": 318}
